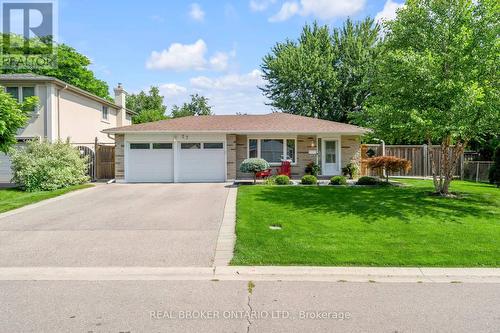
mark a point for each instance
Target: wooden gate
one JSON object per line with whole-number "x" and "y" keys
{"x": 105, "y": 161}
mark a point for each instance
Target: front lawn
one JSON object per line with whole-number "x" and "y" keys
{"x": 381, "y": 226}
{"x": 12, "y": 198}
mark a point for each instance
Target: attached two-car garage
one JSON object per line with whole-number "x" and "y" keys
{"x": 175, "y": 161}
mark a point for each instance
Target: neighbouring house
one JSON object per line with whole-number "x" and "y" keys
{"x": 211, "y": 148}
{"x": 65, "y": 112}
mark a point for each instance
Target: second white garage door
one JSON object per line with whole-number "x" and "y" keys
{"x": 150, "y": 162}
{"x": 201, "y": 162}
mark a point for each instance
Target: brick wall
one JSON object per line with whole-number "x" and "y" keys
{"x": 119, "y": 157}
{"x": 303, "y": 157}
{"x": 351, "y": 149}
{"x": 241, "y": 155}
{"x": 231, "y": 156}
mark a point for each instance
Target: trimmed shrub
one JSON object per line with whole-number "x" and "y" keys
{"x": 389, "y": 163}
{"x": 44, "y": 166}
{"x": 282, "y": 180}
{"x": 351, "y": 170}
{"x": 309, "y": 180}
{"x": 312, "y": 169}
{"x": 368, "y": 181}
{"x": 270, "y": 180}
{"x": 338, "y": 180}
{"x": 254, "y": 165}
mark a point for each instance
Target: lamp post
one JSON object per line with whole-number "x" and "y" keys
{"x": 383, "y": 152}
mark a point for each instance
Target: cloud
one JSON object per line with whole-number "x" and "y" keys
{"x": 288, "y": 9}
{"x": 171, "y": 89}
{"x": 219, "y": 61}
{"x": 181, "y": 57}
{"x": 260, "y": 5}
{"x": 229, "y": 94}
{"x": 196, "y": 13}
{"x": 389, "y": 11}
{"x": 323, "y": 9}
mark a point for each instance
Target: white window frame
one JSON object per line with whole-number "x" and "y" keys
{"x": 105, "y": 119}
{"x": 273, "y": 138}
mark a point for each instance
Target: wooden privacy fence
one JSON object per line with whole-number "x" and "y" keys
{"x": 101, "y": 159}
{"x": 418, "y": 155}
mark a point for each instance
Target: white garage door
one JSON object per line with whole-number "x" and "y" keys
{"x": 5, "y": 171}
{"x": 201, "y": 162}
{"x": 150, "y": 162}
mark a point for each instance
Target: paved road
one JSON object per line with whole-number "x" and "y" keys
{"x": 118, "y": 225}
{"x": 144, "y": 306}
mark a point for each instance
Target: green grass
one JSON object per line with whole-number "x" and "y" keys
{"x": 13, "y": 198}
{"x": 381, "y": 226}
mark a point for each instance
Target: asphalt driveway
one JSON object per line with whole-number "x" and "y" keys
{"x": 118, "y": 225}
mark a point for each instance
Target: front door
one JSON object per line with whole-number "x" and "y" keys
{"x": 330, "y": 158}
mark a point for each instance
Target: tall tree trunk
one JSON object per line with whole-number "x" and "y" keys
{"x": 445, "y": 171}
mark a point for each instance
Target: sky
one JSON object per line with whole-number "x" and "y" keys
{"x": 213, "y": 48}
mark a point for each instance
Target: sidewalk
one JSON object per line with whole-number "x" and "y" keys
{"x": 254, "y": 273}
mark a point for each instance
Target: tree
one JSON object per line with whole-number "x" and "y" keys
{"x": 254, "y": 165}
{"x": 389, "y": 164}
{"x": 149, "y": 107}
{"x": 72, "y": 67}
{"x": 13, "y": 116}
{"x": 494, "y": 172}
{"x": 438, "y": 78}
{"x": 198, "y": 106}
{"x": 356, "y": 49}
{"x": 322, "y": 74}
{"x": 300, "y": 75}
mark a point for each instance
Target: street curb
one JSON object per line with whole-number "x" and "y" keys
{"x": 46, "y": 201}
{"x": 264, "y": 273}
{"x": 227, "y": 238}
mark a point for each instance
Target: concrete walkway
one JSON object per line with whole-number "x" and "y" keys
{"x": 227, "y": 237}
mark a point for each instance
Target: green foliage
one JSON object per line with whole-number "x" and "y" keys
{"x": 438, "y": 78}
{"x": 356, "y": 48}
{"x": 44, "y": 166}
{"x": 309, "y": 180}
{"x": 282, "y": 180}
{"x": 198, "y": 106}
{"x": 148, "y": 106}
{"x": 351, "y": 170}
{"x": 13, "y": 116}
{"x": 323, "y": 74}
{"x": 270, "y": 180}
{"x": 338, "y": 180}
{"x": 254, "y": 165}
{"x": 494, "y": 172}
{"x": 368, "y": 181}
{"x": 72, "y": 67}
{"x": 313, "y": 168}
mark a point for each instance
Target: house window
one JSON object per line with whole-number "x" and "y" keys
{"x": 161, "y": 145}
{"x": 20, "y": 93}
{"x": 190, "y": 145}
{"x": 213, "y": 145}
{"x": 139, "y": 146}
{"x": 252, "y": 148}
{"x": 27, "y": 92}
{"x": 273, "y": 150}
{"x": 13, "y": 91}
{"x": 105, "y": 112}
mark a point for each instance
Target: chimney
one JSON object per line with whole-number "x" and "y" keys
{"x": 120, "y": 97}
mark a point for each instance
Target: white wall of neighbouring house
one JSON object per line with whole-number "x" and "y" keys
{"x": 81, "y": 119}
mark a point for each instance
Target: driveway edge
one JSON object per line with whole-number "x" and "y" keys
{"x": 46, "y": 201}
{"x": 227, "y": 238}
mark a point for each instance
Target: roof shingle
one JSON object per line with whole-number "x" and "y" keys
{"x": 276, "y": 122}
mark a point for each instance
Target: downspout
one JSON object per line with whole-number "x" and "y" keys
{"x": 59, "y": 111}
